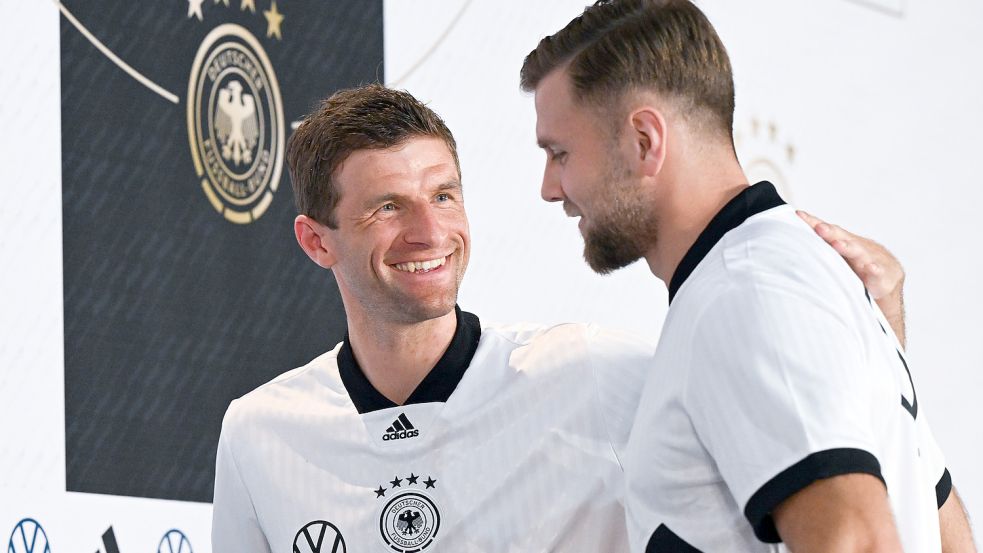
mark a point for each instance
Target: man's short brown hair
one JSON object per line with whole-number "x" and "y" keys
{"x": 618, "y": 46}
{"x": 370, "y": 117}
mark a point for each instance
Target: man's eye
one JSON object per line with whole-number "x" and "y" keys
{"x": 388, "y": 207}
{"x": 443, "y": 197}
{"x": 557, "y": 155}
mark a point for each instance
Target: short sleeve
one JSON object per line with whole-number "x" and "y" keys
{"x": 931, "y": 454}
{"x": 778, "y": 395}
{"x": 235, "y": 525}
{"x": 620, "y": 363}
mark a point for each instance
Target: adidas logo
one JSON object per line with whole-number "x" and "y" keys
{"x": 401, "y": 429}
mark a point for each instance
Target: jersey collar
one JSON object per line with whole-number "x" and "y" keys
{"x": 751, "y": 201}
{"x": 437, "y": 386}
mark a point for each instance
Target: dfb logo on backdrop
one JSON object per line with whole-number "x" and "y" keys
{"x": 28, "y": 537}
{"x": 174, "y": 541}
{"x": 766, "y": 155}
{"x": 174, "y": 121}
{"x": 235, "y": 123}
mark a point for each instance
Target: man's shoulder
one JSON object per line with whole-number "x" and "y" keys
{"x": 288, "y": 390}
{"x": 584, "y": 344}
{"x": 530, "y": 333}
{"x": 777, "y": 239}
{"x": 774, "y": 250}
{"x": 560, "y": 334}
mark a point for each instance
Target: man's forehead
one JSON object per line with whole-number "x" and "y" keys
{"x": 556, "y": 108}
{"x": 415, "y": 158}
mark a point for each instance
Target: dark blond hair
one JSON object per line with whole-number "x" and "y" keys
{"x": 618, "y": 46}
{"x": 370, "y": 117}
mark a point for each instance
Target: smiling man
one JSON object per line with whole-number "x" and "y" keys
{"x": 786, "y": 411}
{"x": 423, "y": 428}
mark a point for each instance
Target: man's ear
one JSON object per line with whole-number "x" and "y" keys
{"x": 650, "y": 135}
{"x": 313, "y": 239}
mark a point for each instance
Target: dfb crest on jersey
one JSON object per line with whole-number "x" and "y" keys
{"x": 410, "y": 520}
{"x": 319, "y": 536}
{"x": 235, "y": 123}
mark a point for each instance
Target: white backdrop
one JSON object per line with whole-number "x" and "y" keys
{"x": 865, "y": 112}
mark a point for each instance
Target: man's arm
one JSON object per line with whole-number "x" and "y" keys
{"x": 880, "y": 271}
{"x": 235, "y": 524}
{"x": 848, "y": 513}
{"x": 957, "y": 537}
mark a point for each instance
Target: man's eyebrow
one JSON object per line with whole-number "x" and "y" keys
{"x": 394, "y": 197}
{"x": 382, "y": 199}
{"x": 450, "y": 185}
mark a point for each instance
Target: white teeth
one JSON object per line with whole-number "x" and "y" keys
{"x": 418, "y": 266}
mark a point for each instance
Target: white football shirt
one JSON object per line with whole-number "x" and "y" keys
{"x": 511, "y": 443}
{"x": 774, "y": 370}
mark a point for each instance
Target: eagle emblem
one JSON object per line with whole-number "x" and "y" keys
{"x": 236, "y": 124}
{"x": 410, "y": 520}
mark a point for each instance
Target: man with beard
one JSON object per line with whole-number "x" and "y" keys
{"x": 424, "y": 427}
{"x": 778, "y": 407}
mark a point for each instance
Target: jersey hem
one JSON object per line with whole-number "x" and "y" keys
{"x": 817, "y": 466}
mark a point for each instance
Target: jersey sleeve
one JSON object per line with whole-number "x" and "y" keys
{"x": 931, "y": 455}
{"x": 778, "y": 395}
{"x": 235, "y": 525}
{"x": 619, "y": 361}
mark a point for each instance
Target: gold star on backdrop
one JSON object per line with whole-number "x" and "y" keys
{"x": 251, "y": 4}
{"x": 274, "y": 19}
{"x": 194, "y": 8}
{"x": 226, "y": 2}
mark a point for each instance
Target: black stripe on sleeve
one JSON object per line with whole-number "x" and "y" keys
{"x": 943, "y": 488}
{"x": 817, "y": 466}
{"x": 664, "y": 540}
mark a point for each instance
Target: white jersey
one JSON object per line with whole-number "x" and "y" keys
{"x": 511, "y": 443}
{"x": 774, "y": 370}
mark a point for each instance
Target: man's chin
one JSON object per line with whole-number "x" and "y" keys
{"x": 606, "y": 256}
{"x": 418, "y": 311}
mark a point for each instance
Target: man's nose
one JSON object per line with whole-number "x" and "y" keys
{"x": 425, "y": 227}
{"x": 551, "y": 190}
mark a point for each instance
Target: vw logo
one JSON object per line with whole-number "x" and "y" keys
{"x": 319, "y": 537}
{"x": 28, "y": 537}
{"x": 174, "y": 541}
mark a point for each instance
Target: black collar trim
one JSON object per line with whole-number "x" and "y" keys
{"x": 751, "y": 201}
{"x": 437, "y": 386}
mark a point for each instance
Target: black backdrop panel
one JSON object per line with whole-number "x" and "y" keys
{"x": 172, "y": 309}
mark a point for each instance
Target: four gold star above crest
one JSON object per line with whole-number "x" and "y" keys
{"x": 274, "y": 19}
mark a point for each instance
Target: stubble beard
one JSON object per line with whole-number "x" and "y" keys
{"x": 624, "y": 228}
{"x": 408, "y": 309}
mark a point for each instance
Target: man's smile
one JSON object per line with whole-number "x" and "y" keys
{"x": 423, "y": 266}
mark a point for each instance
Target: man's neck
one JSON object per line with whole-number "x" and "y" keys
{"x": 692, "y": 194}
{"x": 396, "y": 357}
